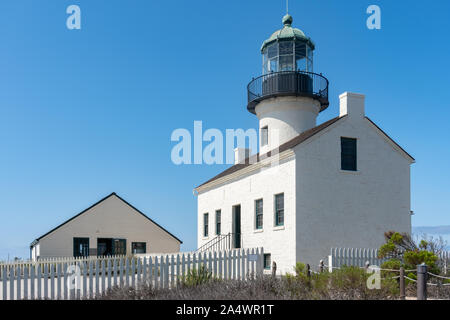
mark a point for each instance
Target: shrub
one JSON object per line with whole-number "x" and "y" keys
{"x": 197, "y": 277}
{"x": 404, "y": 252}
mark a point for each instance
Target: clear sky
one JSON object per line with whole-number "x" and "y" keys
{"x": 87, "y": 112}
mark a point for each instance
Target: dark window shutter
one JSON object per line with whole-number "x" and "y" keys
{"x": 348, "y": 154}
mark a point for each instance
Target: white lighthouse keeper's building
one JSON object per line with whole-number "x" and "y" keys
{"x": 311, "y": 187}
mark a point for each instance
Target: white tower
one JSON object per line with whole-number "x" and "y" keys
{"x": 288, "y": 96}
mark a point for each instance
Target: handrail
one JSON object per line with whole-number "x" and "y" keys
{"x": 220, "y": 242}
{"x": 288, "y": 83}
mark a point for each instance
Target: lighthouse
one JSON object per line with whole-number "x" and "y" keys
{"x": 313, "y": 186}
{"x": 288, "y": 96}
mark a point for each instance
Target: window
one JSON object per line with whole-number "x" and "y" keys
{"x": 259, "y": 213}
{"x": 279, "y": 210}
{"x": 348, "y": 154}
{"x": 138, "y": 247}
{"x": 120, "y": 246}
{"x": 80, "y": 247}
{"x": 267, "y": 261}
{"x": 218, "y": 221}
{"x": 205, "y": 225}
{"x": 264, "y": 136}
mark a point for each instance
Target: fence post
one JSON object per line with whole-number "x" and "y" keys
{"x": 321, "y": 266}
{"x": 308, "y": 271}
{"x": 402, "y": 284}
{"x": 330, "y": 262}
{"x": 422, "y": 282}
{"x": 274, "y": 269}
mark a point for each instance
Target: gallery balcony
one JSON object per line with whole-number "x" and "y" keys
{"x": 288, "y": 83}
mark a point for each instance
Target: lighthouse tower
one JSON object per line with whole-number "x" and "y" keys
{"x": 288, "y": 96}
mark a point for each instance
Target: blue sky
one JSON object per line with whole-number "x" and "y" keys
{"x": 87, "y": 112}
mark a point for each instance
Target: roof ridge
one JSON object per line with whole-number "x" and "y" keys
{"x": 285, "y": 146}
{"x": 92, "y": 206}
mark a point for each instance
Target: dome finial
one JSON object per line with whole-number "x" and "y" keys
{"x": 287, "y": 19}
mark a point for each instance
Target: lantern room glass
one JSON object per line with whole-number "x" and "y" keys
{"x": 287, "y": 56}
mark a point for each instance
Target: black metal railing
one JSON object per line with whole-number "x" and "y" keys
{"x": 288, "y": 83}
{"x": 222, "y": 242}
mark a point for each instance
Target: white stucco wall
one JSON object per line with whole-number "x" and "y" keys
{"x": 349, "y": 209}
{"x": 286, "y": 118}
{"x": 325, "y": 207}
{"x": 111, "y": 218}
{"x": 279, "y": 242}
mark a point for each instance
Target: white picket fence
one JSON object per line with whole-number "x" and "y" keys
{"x": 91, "y": 277}
{"x": 359, "y": 256}
{"x": 22, "y": 264}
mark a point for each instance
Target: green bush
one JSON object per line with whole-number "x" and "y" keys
{"x": 404, "y": 252}
{"x": 197, "y": 277}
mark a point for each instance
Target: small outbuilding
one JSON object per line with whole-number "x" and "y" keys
{"x": 111, "y": 226}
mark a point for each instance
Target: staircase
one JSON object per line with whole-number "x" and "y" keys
{"x": 219, "y": 243}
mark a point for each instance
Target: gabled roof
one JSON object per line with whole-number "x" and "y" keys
{"x": 95, "y": 204}
{"x": 285, "y": 146}
{"x": 390, "y": 139}
{"x": 291, "y": 144}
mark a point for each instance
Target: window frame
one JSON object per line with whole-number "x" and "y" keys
{"x": 277, "y": 210}
{"x": 218, "y": 222}
{"x": 83, "y": 254}
{"x": 257, "y": 227}
{"x": 265, "y": 265}
{"x": 264, "y": 136}
{"x": 133, "y": 244}
{"x": 345, "y": 155}
{"x": 206, "y": 225}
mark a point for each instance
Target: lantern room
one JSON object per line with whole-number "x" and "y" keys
{"x": 288, "y": 49}
{"x": 287, "y": 69}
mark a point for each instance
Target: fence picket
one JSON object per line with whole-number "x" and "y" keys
{"x": 127, "y": 272}
{"x": 188, "y": 264}
{"x": 172, "y": 270}
{"x": 144, "y": 271}
{"x": 238, "y": 265}
{"x": 18, "y": 282}
{"x": 109, "y": 274}
{"x": 138, "y": 273}
{"x": 52, "y": 282}
{"x": 115, "y": 278}
{"x": 178, "y": 264}
{"x": 32, "y": 284}
{"x": 97, "y": 285}
{"x": 84, "y": 264}
{"x": 37, "y": 281}
{"x": 219, "y": 262}
{"x": 25, "y": 283}
{"x": 166, "y": 272}
{"x": 121, "y": 272}
{"x": 156, "y": 273}
{"x": 214, "y": 264}
{"x": 91, "y": 282}
{"x": 58, "y": 281}
{"x": 150, "y": 271}
{"x": 183, "y": 266}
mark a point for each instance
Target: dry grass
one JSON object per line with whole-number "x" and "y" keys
{"x": 347, "y": 284}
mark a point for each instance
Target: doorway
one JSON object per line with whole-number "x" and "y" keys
{"x": 237, "y": 226}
